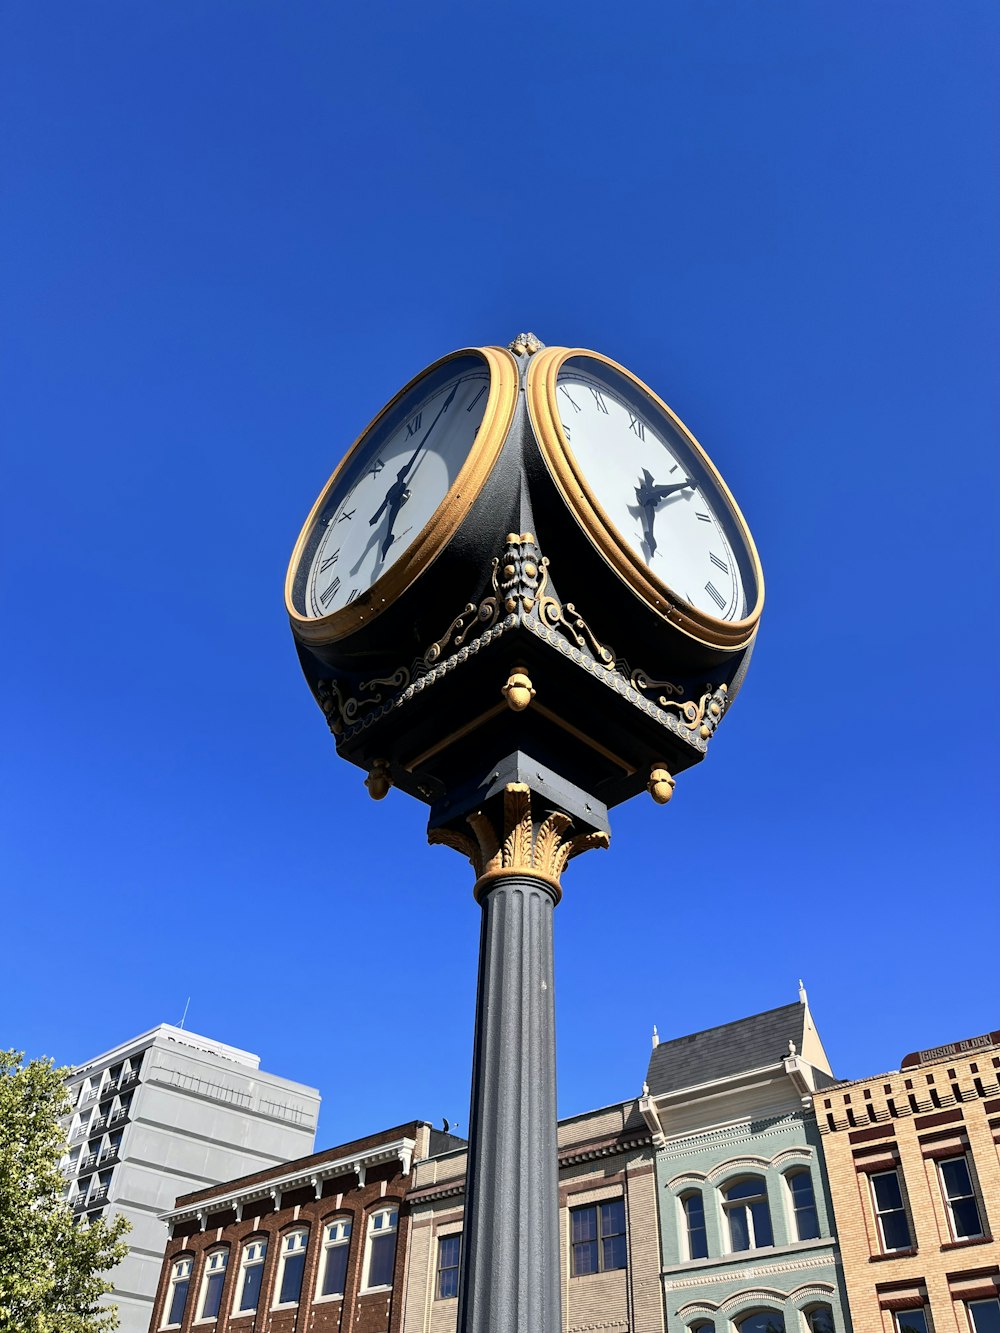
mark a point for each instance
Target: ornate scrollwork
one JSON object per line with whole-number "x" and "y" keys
{"x": 516, "y": 843}
{"x": 520, "y": 594}
{"x": 705, "y": 715}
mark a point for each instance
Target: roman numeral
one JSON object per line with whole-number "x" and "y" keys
{"x": 705, "y": 518}
{"x": 565, "y": 427}
{"x": 354, "y": 593}
{"x": 715, "y": 595}
{"x": 599, "y": 400}
{"x": 377, "y": 467}
{"x": 476, "y": 399}
{"x": 636, "y": 426}
{"x": 330, "y": 561}
{"x": 328, "y": 594}
{"x": 348, "y": 514}
{"x": 563, "y": 389}
{"x": 719, "y": 564}
{"x": 413, "y": 426}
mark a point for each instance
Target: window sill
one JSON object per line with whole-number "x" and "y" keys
{"x": 375, "y": 1291}
{"x": 602, "y": 1272}
{"x": 892, "y": 1254}
{"x": 969, "y": 1240}
{"x": 333, "y": 1296}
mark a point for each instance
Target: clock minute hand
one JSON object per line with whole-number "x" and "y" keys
{"x": 394, "y": 495}
{"x": 661, "y": 492}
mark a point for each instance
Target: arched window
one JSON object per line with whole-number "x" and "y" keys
{"x": 292, "y": 1266}
{"x": 380, "y": 1259}
{"x": 749, "y": 1217}
{"x": 212, "y": 1284}
{"x": 765, "y": 1321}
{"x": 333, "y": 1262}
{"x": 180, "y": 1280}
{"x": 820, "y": 1319}
{"x": 251, "y": 1276}
{"x": 804, "y": 1214}
{"x": 694, "y": 1222}
{"x": 701, "y": 1326}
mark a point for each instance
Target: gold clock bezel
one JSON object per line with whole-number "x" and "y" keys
{"x": 540, "y": 392}
{"x": 443, "y": 523}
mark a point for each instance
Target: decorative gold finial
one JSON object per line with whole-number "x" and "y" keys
{"x": 518, "y": 690}
{"x": 525, "y": 344}
{"x": 660, "y": 785}
{"x": 379, "y": 780}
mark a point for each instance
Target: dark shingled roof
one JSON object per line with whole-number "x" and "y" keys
{"x": 720, "y": 1052}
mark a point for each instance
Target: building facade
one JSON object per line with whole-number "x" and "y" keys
{"x": 317, "y": 1244}
{"x": 166, "y": 1112}
{"x": 746, "y": 1231}
{"x": 608, "y": 1229}
{"x": 913, "y": 1164}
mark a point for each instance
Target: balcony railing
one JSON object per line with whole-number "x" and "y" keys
{"x": 99, "y": 1196}
{"x": 128, "y": 1078}
{"x": 120, "y": 1114}
{"x": 89, "y": 1162}
{"x": 108, "y": 1155}
{"x": 98, "y": 1123}
{"x": 81, "y": 1132}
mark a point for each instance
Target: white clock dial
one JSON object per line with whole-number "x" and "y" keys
{"x": 655, "y": 488}
{"x": 391, "y": 485}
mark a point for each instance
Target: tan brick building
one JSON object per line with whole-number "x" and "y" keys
{"x": 608, "y": 1225}
{"x": 311, "y": 1246}
{"x": 914, "y": 1176}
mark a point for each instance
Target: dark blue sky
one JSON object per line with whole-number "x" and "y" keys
{"x": 229, "y": 232}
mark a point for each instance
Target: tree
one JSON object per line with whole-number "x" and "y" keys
{"x": 51, "y": 1267}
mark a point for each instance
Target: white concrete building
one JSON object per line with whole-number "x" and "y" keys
{"x": 164, "y": 1114}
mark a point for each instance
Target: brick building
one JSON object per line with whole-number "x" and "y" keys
{"x": 608, "y": 1228}
{"x": 315, "y": 1244}
{"x": 746, "y": 1231}
{"x": 915, "y": 1181}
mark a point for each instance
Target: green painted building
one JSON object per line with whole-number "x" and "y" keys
{"x": 746, "y": 1228}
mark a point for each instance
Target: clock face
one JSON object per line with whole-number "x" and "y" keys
{"x": 660, "y": 493}
{"x": 388, "y": 488}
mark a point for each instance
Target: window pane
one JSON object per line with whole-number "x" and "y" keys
{"x": 585, "y": 1258}
{"x": 251, "y": 1287}
{"x": 291, "y": 1277}
{"x": 449, "y": 1253}
{"x": 335, "y": 1273}
{"x": 746, "y": 1189}
{"x": 896, "y": 1231}
{"x": 887, "y": 1193}
{"x": 912, "y": 1321}
{"x": 985, "y": 1316}
{"x": 955, "y": 1174}
{"x": 615, "y": 1255}
{"x": 804, "y": 1202}
{"x": 213, "y": 1295}
{"x": 178, "y": 1301}
{"x": 382, "y": 1259}
{"x": 768, "y": 1321}
{"x": 613, "y": 1218}
{"x": 820, "y": 1321}
{"x": 694, "y": 1211}
{"x": 584, "y": 1222}
{"x": 738, "y": 1231}
{"x": 761, "y": 1224}
{"x": 447, "y": 1283}
{"x": 965, "y": 1213}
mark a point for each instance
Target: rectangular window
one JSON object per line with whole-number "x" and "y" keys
{"x": 293, "y": 1262}
{"x": 382, "y": 1248}
{"x": 694, "y": 1217}
{"x": 180, "y": 1280}
{"x": 449, "y": 1258}
{"x": 984, "y": 1316}
{"x": 960, "y": 1196}
{"x": 804, "y": 1205}
{"x": 336, "y": 1247}
{"x": 893, "y": 1225}
{"x": 252, "y": 1275}
{"x": 911, "y": 1321}
{"x": 597, "y": 1238}
{"x": 215, "y": 1277}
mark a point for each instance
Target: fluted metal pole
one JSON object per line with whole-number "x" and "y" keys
{"x": 510, "y": 1261}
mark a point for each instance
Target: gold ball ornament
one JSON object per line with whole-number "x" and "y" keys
{"x": 518, "y": 691}
{"x": 660, "y": 785}
{"x": 379, "y": 780}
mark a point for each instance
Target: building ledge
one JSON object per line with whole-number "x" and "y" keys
{"x": 315, "y": 1174}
